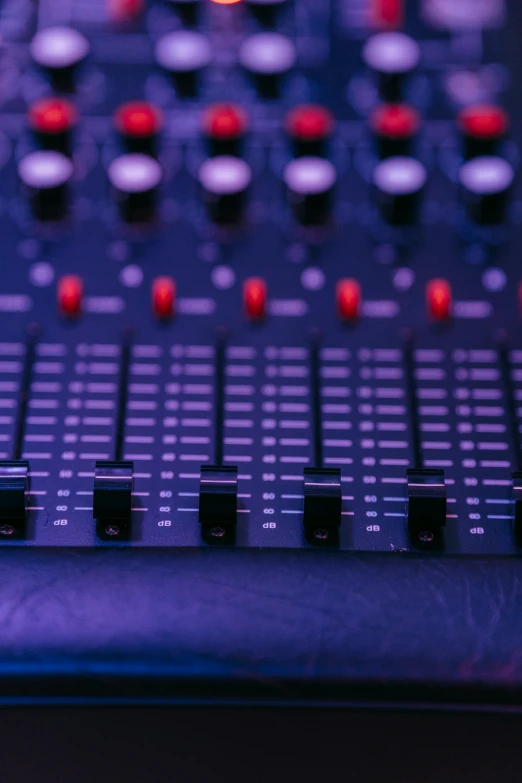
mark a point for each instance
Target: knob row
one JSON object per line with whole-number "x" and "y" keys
{"x": 266, "y": 56}
{"x": 310, "y": 181}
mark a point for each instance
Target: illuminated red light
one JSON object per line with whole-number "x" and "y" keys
{"x": 52, "y": 116}
{"x": 309, "y": 122}
{"x": 387, "y": 13}
{"x": 70, "y": 295}
{"x": 254, "y": 298}
{"x": 348, "y": 296}
{"x": 483, "y": 121}
{"x": 395, "y": 120}
{"x": 439, "y": 299}
{"x": 163, "y": 297}
{"x": 224, "y": 121}
{"x": 138, "y": 119}
{"x": 226, "y": 2}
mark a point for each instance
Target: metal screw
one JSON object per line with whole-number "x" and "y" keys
{"x": 7, "y": 530}
{"x": 217, "y": 532}
{"x": 426, "y": 537}
{"x": 112, "y": 530}
{"x": 321, "y": 534}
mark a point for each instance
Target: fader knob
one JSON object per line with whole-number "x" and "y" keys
{"x": 392, "y": 57}
{"x": 184, "y": 54}
{"x": 112, "y": 491}
{"x": 482, "y": 127}
{"x": 225, "y": 180}
{"x": 188, "y": 10}
{"x": 59, "y": 51}
{"x": 224, "y": 126}
{"x": 394, "y": 126}
{"x": 309, "y": 127}
{"x": 310, "y": 182}
{"x": 266, "y": 11}
{"x": 138, "y": 124}
{"x": 135, "y": 179}
{"x": 398, "y": 183}
{"x": 45, "y": 175}
{"x": 486, "y": 182}
{"x": 14, "y": 485}
{"x": 267, "y": 57}
{"x": 52, "y": 121}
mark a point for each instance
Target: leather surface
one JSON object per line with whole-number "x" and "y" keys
{"x": 222, "y": 625}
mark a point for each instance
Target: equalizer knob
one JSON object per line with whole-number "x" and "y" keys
{"x": 184, "y": 55}
{"x": 310, "y": 182}
{"x": 187, "y": 10}
{"x": 224, "y": 126}
{"x": 392, "y": 57}
{"x": 482, "y": 128}
{"x": 398, "y": 183}
{"x": 59, "y": 51}
{"x": 394, "y": 126}
{"x": 267, "y": 11}
{"x": 225, "y": 180}
{"x": 309, "y": 127}
{"x": 52, "y": 121}
{"x": 139, "y": 124}
{"x": 486, "y": 182}
{"x": 268, "y": 57}
{"x": 135, "y": 179}
{"x": 45, "y": 175}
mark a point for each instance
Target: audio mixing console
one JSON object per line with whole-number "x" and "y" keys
{"x": 261, "y": 275}
{"x": 260, "y": 282}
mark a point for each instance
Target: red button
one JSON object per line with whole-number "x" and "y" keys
{"x": 309, "y": 122}
{"x": 387, "y": 13}
{"x": 483, "y": 121}
{"x": 439, "y": 299}
{"x": 395, "y": 120}
{"x": 52, "y": 115}
{"x": 224, "y": 121}
{"x": 254, "y": 298}
{"x": 70, "y": 295}
{"x": 163, "y": 297}
{"x": 348, "y": 295}
{"x": 138, "y": 119}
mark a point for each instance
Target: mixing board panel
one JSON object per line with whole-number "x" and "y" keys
{"x": 260, "y": 274}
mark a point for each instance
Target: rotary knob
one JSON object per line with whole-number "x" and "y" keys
{"x": 310, "y": 182}
{"x": 267, "y": 12}
{"x": 268, "y": 58}
{"x": 135, "y": 179}
{"x": 45, "y": 176}
{"x": 224, "y": 126}
{"x": 184, "y": 55}
{"x": 310, "y": 128}
{"x": 59, "y": 51}
{"x": 187, "y": 10}
{"x": 224, "y": 181}
{"x": 399, "y": 182}
{"x": 482, "y": 128}
{"x": 392, "y": 56}
{"x": 394, "y": 126}
{"x": 486, "y": 182}
{"x": 52, "y": 121}
{"x": 139, "y": 124}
